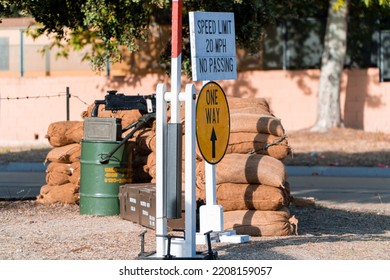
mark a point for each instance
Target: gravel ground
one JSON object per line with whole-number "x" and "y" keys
{"x": 30, "y": 230}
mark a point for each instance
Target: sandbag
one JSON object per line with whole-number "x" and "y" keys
{"x": 253, "y": 169}
{"x": 151, "y": 164}
{"x": 46, "y": 189}
{"x": 75, "y": 133}
{"x": 244, "y": 169}
{"x": 200, "y": 181}
{"x": 151, "y": 161}
{"x": 75, "y": 167}
{"x": 76, "y": 155}
{"x": 102, "y": 112}
{"x": 59, "y": 167}
{"x": 65, "y": 132}
{"x": 261, "y": 223}
{"x": 255, "y": 123}
{"x": 74, "y": 178}
{"x": 65, "y": 154}
{"x": 251, "y": 197}
{"x": 67, "y": 193}
{"x": 246, "y": 105}
{"x": 145, "y": 142}
{"x": 56, "y": 178}
{"x": 127, "y": 116}
{"x": 259, "y": 143}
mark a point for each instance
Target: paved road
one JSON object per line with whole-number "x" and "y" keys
{"x": 362, "y": 188}
{"x": 364, "y": 193}
{"x": 21, "y": 184}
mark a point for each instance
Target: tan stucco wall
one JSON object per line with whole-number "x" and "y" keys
{"x": 292, "y": 96}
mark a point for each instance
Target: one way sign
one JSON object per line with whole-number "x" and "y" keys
{"x": 212, "y": 122}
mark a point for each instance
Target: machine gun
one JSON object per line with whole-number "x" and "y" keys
{"x": 146, "y": 104}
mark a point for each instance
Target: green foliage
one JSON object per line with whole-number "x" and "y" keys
{"x": 106, "y": 26}
{"x": 114, "y": 23}
{"x": 380, "y": 2}
{"x": 367, "y": 3}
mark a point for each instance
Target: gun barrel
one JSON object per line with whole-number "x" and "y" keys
{"x": 118, "y": 102}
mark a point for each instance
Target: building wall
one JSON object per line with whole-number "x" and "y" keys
{"x": 29, "y": 104}
{"x": 30, "y": 57}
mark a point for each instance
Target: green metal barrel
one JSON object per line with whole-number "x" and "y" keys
{"x": 99, "y": 183}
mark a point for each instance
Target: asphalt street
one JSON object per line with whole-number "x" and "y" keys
{"x": 21, "y": 184}
{"x": 330, "y": 185}
{"x": 364, "y": 193}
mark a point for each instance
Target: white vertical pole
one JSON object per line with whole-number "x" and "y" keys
{"x": 210, "y": 179}
{"x": 161, "y": 128}
{"x": 161, "y": 125}
{"x": 190, "y": 167}
{"x": 211, "y": 194}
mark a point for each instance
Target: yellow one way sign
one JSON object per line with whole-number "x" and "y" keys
{"x": 212, "y": 122}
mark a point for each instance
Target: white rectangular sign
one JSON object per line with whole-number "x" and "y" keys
{"x": 213, "y": 46}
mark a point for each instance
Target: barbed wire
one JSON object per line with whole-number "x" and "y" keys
{"x": 60, "y": 94}
{"x": 31, "y": 97}
{"x": 82, "y": 101}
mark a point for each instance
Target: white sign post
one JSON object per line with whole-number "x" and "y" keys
{"x": 184, "y": 248}
{"x": 213, "y": 46}
{"x": 213, "y": 57}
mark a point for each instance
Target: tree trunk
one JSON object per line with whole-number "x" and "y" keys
{"x": 335, "y": 45}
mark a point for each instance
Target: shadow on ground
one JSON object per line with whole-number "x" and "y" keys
{"x": 317, "y": 225}
{"x": 322, "y": 221}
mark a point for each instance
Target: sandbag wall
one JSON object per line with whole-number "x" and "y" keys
{"x": 144, "y": 165}
{"x": 63, "y": 160}
{"x": 251, "y": 178}
{"x": 63, "y": 163}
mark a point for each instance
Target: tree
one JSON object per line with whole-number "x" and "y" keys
{"x": 105, "y": 25}
{"x": 332, "y": 64}
{"x": 109, "y": 25}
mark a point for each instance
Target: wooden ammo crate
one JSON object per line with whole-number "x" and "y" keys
{"x": 129, "y": 204}
{"x": 138, "y": 204}
{"x": 147, "y": 204}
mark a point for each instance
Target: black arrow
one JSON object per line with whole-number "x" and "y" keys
{"x": 213, "y": 138}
